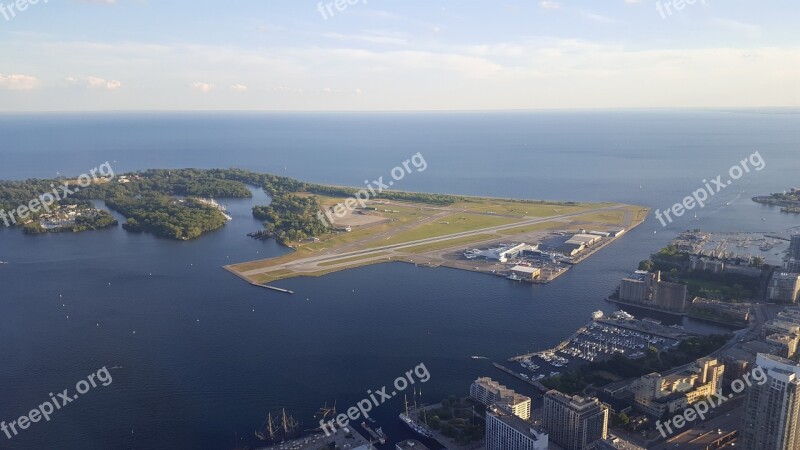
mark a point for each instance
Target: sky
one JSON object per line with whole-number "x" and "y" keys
{"x": 397, "y": 55}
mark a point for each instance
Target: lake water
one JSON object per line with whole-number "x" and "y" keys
{"x": 212, "y": 355}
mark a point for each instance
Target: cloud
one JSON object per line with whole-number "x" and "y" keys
{"x": 238, "y": 88}
{"x": 202, "y": 86}
{"x": 549, "y": 4}
{"x": 18, "y": 82}
{"x": 102, "y": 83}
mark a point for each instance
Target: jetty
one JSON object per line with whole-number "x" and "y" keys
{"x": 274, "y": 288}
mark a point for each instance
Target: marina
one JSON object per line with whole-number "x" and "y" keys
{"x": 600, "y": 339}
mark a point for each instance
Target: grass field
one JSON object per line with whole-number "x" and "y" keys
{"x": 412, "y": 222}
{"x": 524, "y": 208}
{"x": 457, "y": 223}
{"x": 532, "y": 228}
{"x": 448, "y": 243}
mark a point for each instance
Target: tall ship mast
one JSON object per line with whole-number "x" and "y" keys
{"x": 278, "y": 427}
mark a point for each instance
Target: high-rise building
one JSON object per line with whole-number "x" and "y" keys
{"x": 794, "y": 248}
{"x": 772, "y": 409}
{"x": 506, "y": 431}
{"x": 489, "y": 392}
{"x": 784, "y": 287}
{"x": 574, "y": 423}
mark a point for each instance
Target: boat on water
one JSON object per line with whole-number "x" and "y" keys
{"x": 378, "y": 434}
{"x": 279, "y": 429}
{"x": 414, "y": 426}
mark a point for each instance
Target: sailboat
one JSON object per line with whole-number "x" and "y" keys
{"x": 269, "y": 427}
{"x": 282, "y": 427}
{"x": 405, "y": 417}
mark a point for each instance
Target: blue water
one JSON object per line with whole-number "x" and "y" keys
{"x": 203, "y": 367}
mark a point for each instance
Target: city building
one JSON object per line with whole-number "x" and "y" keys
{"x": 615, "y": 443}
{"x": 735, "y": 369}
{"x": 670, "y": 296}
{"x": 579, "y": 242}
{"x": 638, "y": 288}
{"x": 701, "y": 263}
{"x": 504, "y": 253}
{"x": 506, "y": 431}
{"x": 791, "y": 265}
{"x": 411, "y": 444}
{"x": 779, "y": 326}
{"x": 657, "y": 394}
{"x": 574, "y": 423}
{"x": 794, "y": 248}
{"x": 647, "y": 289}
{"x": 526, "y": 273}
{"x": 789, "y": 314}
{"x": 783, "y": 344}
{"x": 729, "y": 312}
{"x": 772, "y": 410}
{"x": 783, "y": 287}
{"x": 490, "y": 392}
{"x": 618, "y": 232}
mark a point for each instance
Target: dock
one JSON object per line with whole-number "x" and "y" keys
{"x": 375, "y": 436}
{"x": 539, "y": 386}
{"x": 649, "y": 328}
{"x": 274, "y": 288}
{"x": 342, "y": 438}
{"x": 555, "y": 349}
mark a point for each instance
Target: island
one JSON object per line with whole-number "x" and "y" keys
{"x": 788, "y": 201}
{"x": 333, "y": 228}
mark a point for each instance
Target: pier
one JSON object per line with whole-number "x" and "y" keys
{"x": 539, "y": 386}
{"x": 342, "y": 438}
{"x": 274, "y": 288}
{"x": 555, "y": 349}
{"x": 648, "y": 328}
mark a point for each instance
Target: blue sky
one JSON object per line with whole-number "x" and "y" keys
{"x": 85, "y": 55}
